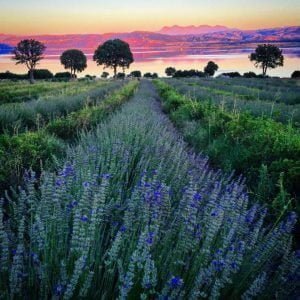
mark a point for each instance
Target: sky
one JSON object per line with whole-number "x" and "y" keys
{"x": 98, "y": 16}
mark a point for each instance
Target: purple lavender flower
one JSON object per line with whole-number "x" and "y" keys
{"x": 84, "y": 218}
{"x": 86, "y": 184}
{"x": 123, "y": 228}
{"x": 150, "y": 238}
{"x": 58, "y": 289}
{"x": 175, "y": 282}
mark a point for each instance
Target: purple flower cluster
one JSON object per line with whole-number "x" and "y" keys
{"x": 176, "y": 282}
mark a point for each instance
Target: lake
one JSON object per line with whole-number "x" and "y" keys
{"x": 157, "y": 60}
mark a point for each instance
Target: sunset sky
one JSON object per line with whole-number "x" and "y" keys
{"x": 98, "y": 16}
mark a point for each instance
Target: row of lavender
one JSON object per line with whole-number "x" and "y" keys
{"x": 134, "y": 214}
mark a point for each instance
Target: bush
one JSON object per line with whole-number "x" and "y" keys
{"x": 188, "y": 73}
{"x": 28, "y": 150}
{"x": 11, "y": 76}
{"x": 42, "y": 74}
{"x": 120, "y": 76}
{"x": 296, "y": 74}
{"x": 250, "y": 75}
{"x": 231, "y": 74}
{"x": 136, "y": 74}
{"x": 66, "y": 75}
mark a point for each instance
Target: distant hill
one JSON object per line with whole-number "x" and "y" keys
{"x": 282, "y": 34}
{"x": 192, "y": 30}
{"x": 140, "y": 40}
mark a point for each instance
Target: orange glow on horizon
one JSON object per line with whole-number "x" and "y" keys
{"x": 78, "y": 21}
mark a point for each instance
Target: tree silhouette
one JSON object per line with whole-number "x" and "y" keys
{"x": 29, "y": 52}
{"x": 267, "y": 56}
{"x": 73, "y": 59}
{"x": 113, "y": 54}
{"x": 170, "y": 71}
{"x": 211, "y": 68}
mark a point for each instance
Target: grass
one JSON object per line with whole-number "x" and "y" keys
{"x": 133, "y": 214}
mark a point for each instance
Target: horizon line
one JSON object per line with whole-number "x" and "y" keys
{"x": 150, "y": 31}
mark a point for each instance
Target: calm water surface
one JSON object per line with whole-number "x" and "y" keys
{"x": 157, "y": 60}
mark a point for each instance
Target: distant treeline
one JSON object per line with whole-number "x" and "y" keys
{"x": 38, "y": 74}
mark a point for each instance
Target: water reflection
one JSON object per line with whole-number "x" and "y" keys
{"x": 229, "y": 58}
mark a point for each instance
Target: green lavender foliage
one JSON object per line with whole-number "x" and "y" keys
{"x": 241, "y": 142}
{"x": 14, "y": 92}
{"x": 134, "y": 214}
{"x": 43, "y": 148}
{"x": 275, "y": 99}
{"x": 35, "y": 114}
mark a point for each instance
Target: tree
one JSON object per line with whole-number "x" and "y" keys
{"x": 211, "y": 68}
{"x": 75, "y": 60}
{"x": 170, "y": 71}
{"x": 113, "y": 54}
{"x": 29, "y": 52}
{"x": 136, "y": 74}
{"x": 104, "y": 74}
{"x": 296, "y": 74}
{"x": 267, "y": 56}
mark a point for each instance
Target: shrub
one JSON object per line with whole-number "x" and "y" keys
{"x": 188, "y": 73}
{"x": 63, "y": 75}
{"x": 136, "y": 74}
{"x": 249, "y": 75}
{"x": 120, "y": 76}
{"x": 42, "y": 74}
{"x": 296, "y": 74}
{"x": 231, "y": 74}
{"x": 11, "y": 76}
{"x": 29, "y": 150}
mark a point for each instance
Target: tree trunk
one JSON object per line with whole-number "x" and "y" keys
{"x": 31, "y": 78}
{"x": 115, "y": 71}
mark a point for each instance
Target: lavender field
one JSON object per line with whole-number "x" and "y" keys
{"x": 130, "y": 208}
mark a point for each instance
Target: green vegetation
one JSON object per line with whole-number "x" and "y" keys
{"x": 29, "y": 52}
{"x": 113, "y": 54}
{"x": 14, "y": 92}
{"x": 34, "y": 114}
{"x": 75, "y": 60}
{"x": 272, "y": 98}
{"x": 249, "y": 145}
{"x": 131, "y": 213}
{"x": 44, "y": 147}
{"x": 267, "y": 56}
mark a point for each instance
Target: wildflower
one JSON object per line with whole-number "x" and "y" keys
{"x": 86, "y": 184}
{"x": 106, "y": 176}
{"x": 197, "y": 197}
{"x": 123, "y": 228}
{"x": 176, "y": 282}
{"x": 84, "y": 218}
{"x": 150, "y": 238}
{"x": 58, "y": 289}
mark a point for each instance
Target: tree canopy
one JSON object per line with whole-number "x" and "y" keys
{"x": 211, "y": 68}
{"x": 113, "y": 54}
{"x": 267, "y": 56}
{"x": 29, "y": 52}
{"x": 73, "y": 59}
{"x": 170, "y": 71}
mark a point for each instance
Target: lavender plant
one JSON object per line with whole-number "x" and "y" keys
{"x": 134, "y": 214}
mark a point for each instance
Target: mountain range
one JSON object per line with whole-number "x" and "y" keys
{"x": 168, "y": 37}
